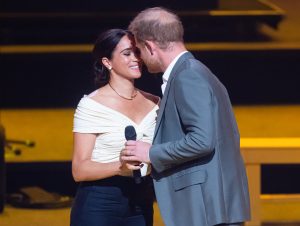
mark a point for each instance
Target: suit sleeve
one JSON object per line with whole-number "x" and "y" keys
{"x": 193, "y": 100}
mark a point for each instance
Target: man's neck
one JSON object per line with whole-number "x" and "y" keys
{"x": 167, "y": 56}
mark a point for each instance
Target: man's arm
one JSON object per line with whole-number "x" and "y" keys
{"x": 193, "y": 99}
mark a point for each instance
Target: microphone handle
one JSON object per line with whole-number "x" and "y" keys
{"x": 137, "y": 176}
{"x": 130, "y": 134}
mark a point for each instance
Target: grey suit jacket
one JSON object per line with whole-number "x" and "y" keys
{"x": 199, "y": 174}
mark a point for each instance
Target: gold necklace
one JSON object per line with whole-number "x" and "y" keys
{"x": 126, "y": 98}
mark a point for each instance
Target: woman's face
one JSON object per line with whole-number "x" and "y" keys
{"x": 125, "y": 60}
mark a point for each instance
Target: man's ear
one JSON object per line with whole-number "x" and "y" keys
{"x": 150, "y": 45}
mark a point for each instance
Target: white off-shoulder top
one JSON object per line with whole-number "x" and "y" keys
{"x": 109, "y": 125}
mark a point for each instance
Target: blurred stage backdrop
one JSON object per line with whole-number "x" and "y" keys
{"x": 253, "y": 47}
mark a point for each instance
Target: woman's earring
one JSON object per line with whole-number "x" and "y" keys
{"x": 109, "y": 68}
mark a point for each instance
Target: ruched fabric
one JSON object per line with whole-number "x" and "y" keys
{"x": 109, "y": 125}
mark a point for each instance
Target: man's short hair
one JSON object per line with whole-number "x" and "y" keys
{"x": 159, "y": 25}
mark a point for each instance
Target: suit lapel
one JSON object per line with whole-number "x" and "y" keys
{"x": 166, "y": 93}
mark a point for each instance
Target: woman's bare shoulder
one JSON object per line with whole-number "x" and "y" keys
{"x": 100, "y": 94}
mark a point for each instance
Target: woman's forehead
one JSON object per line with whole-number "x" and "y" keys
{"x": 125, "y": 43}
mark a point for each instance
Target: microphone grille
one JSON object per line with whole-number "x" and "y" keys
{"x": 130, "y": 133}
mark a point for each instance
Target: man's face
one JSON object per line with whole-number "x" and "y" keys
{"x": 149, "y": 58}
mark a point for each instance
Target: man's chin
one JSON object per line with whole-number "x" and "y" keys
{"x": 153, "y": 71}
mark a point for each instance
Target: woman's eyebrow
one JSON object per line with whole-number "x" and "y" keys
{"x": 129, "y": 48}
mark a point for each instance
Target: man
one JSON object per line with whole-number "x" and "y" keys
{"x": 199, "y": 175}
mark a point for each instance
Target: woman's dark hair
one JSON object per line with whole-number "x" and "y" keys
{"x": 104, "y": 47}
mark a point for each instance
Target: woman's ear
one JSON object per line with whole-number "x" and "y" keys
{"x": 106, "y": 63}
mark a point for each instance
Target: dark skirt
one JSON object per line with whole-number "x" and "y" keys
{"x": 114, "y": 201}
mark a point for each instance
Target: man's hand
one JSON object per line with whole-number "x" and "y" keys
{"x": 137, "y": 151}
{"x": 126, "y": 168}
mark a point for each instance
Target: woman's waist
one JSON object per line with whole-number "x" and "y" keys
{"x": 117, "y": 181}
{"x": 145, "y": 169}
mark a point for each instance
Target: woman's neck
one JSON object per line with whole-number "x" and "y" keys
{"x": 123, "y": 88}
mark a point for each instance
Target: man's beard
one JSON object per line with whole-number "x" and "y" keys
{"x": 153, "y": 67}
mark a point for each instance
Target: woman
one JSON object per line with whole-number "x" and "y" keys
{"x": 108, "y": 194}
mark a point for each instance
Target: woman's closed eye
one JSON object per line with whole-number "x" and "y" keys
{"x": 127, "y": 53}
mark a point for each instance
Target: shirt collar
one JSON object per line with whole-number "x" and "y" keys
{"x": 167, "y": 72}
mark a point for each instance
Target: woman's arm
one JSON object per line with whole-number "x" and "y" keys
{"x": 84, "y": 169}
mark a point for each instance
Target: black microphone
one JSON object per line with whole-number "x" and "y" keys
{"x": 130, "y": 134}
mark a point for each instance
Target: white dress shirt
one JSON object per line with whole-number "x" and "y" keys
{"x": 167, "y": 72}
